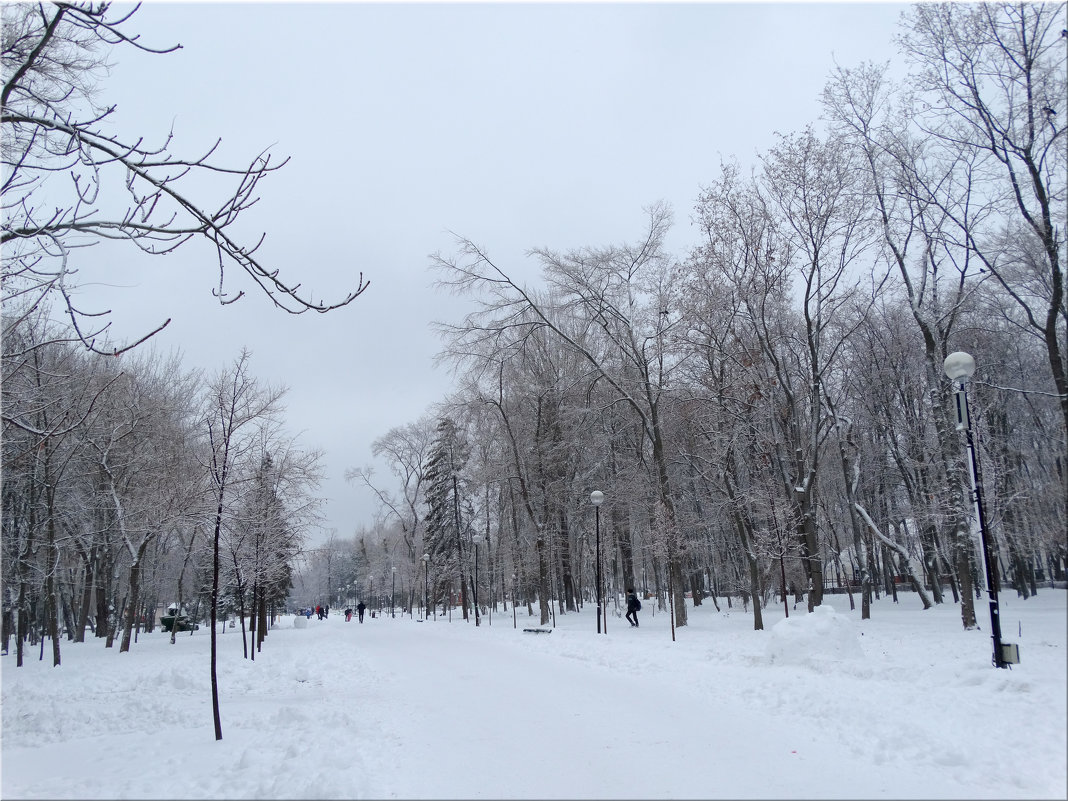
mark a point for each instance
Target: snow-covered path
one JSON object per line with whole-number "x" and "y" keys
{"x": 820, "y": 706}
{"x": 576, "y": 727}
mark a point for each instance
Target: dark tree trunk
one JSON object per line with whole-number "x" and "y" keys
{"x": 51, "y": 609}
{"x": 103, "y": 573}
{"x": 7, "y": 628}
{"x": 241, "y": 617}
{"x": 69, "y": 619}
{"x": 214, "y": 610}
{"x": 113, "y": 625}
{"x": 23, "y": 625}
{"x": 695, "y": 586}
{"x": 543, "y": 582}
{"x": 87, "y": 598}
{"x": 253, "y": 628}
{"x": 135, "y": 596}
{"x": 261, "y": 629}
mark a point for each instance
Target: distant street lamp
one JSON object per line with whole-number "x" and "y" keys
{"x": 426, "y": 587}
{"x": 960, "y": 367}
{"x": 597, "y": 498}
{"x": 393, "y": 595}
{"x": 477, "y": 540}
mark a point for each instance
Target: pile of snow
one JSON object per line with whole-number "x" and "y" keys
{"x": 812, "y": 639}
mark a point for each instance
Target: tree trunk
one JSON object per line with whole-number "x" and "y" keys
{"x": 87, "y": 597}
{"x": 262, "y": 627}
{"x": 50, "y": 590}
{"x": 851, "y": 475}
{"x": 135, "y": 594}
{"x": 252, "y": 620}
{"x": 906, "y": 564}
{"x": 543, "y": 582}
{"x": 241, "y": 617}
{"x": 113, "y": 626}
{"x": 808, "y": 539}
{"x": 23, "y": 625}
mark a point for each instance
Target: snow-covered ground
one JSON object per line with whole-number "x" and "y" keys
{"x": 905, "y": 705}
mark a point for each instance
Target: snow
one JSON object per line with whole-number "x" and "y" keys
{"x": 821, "y": 705}
{"x": 814, "y": 639}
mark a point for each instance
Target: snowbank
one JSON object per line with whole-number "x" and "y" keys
{"x": 812, "y": 639}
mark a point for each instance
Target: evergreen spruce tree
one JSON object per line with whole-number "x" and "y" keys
{"x": 267, "y": 546}
{"x": 449, "y": 510}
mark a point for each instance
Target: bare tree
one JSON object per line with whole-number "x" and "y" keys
{"x": 55, "y": 129}
{"x": 736, "y": 314}
{"x": 49, "y": 394}
{"x": 903, "y": 177}
{"x": 235, "y": 405}
{"x": 995, "y": 76}
{"x": 535, "y": 384}
{"x": 811, "y": 185}
{"x": 405, "y": 449}
{"x": 141, "y": 449}
{"x": 616, "y": 298}
{"x": 999, "y": 76}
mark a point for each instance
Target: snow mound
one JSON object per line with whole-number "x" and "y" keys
{"x": 813, "y": 638}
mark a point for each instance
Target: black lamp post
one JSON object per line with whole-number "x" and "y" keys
{"x": 426, "y": 587}
{"x": 597, "y": 498}
{"x": 960, "y": 367}
{"x": 393, "y": 595}
{"x": 477, "y": 540}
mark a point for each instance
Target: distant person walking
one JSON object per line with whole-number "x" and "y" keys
{"x": 359, "y": 609}
{"x": 633, "y": 607}
{"x": 348, "y": 615}
{"x": 319, "y": 611}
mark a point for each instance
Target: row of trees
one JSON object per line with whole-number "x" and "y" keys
{"x": 128, "y": 480}
{"x": 121, "y": 474}
{"x": 130, "y": 483}
{"x": 767, "y": 412}
{"x": 771, "y": 412}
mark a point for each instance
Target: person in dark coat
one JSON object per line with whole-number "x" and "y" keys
{"x": 348, "y": 615}
{"x": 633, "y": 607}
{"x": 319, "y": 611}
{"x": 359, "y": 609}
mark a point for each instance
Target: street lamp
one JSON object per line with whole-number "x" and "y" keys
{"x": 426, "y": 587}
{"x": 959, "y": 367}
{"x": 597, "y": 498}
{"x": 393, "y": 595}
{"x": 477, "y": 540}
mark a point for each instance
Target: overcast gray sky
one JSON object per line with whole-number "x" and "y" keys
{"x": 516, "y": 125}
